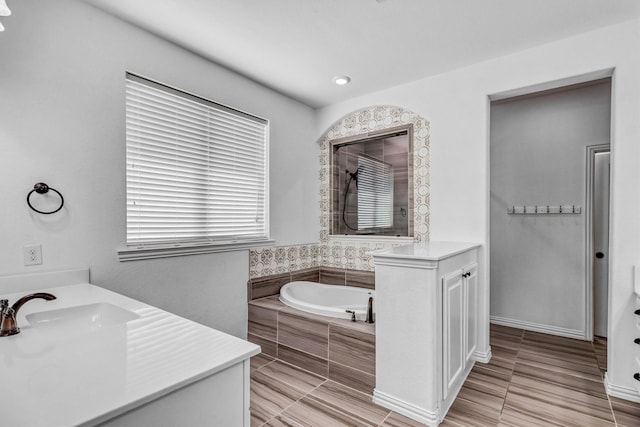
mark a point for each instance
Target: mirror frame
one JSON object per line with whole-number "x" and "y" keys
{"x": 363, "y": 138}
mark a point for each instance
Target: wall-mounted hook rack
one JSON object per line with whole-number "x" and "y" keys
{"x": 544, "y": 209}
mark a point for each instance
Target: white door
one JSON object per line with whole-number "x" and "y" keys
{"x": 600, "y": 231}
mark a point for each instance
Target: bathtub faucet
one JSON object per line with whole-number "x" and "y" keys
{"x": 369, "y": 318}
{"x": 8, "y": 325}
{"x": 353, "y": 314}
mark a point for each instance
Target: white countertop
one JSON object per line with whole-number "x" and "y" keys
{"x": 52, "y": 377}
{"x": 427, "y": 251}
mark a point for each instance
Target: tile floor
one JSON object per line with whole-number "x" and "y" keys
{"x": 533, "y": 379}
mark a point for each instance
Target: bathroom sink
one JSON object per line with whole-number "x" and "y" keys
{"x": 82, "y": 317}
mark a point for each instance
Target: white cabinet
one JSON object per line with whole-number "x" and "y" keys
{"x": 428, "y": 326}
{"x": 459, "y": 320}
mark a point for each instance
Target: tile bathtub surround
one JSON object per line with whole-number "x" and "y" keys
{"x": 267, "y": 286}
{"x": 261, "y": 287}
{"x": 333, "y": 276}
{"x": 533, "y": 379}
{"x": 362, "y": 279}
{"x": 337, "y": 349}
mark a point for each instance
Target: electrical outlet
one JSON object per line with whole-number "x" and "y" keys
{"x": 32, "y": 254}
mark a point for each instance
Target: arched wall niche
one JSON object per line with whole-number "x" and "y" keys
{"x": 352, "y": 252}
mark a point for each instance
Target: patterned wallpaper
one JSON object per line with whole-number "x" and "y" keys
{"x": 343, "y": 252}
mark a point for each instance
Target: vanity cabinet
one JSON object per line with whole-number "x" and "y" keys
{"x": 427, "y": 326}
{"x": 96, "y": 357}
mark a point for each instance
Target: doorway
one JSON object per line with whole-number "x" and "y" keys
{"x": 540, "y": 219}
{"x": 597, "y": 254}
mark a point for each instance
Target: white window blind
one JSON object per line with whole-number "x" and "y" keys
{"x": 375, "y": 193}
{"x": 196, "y": 170}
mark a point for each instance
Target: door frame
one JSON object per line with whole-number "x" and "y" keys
{"x": 591, "y": 151}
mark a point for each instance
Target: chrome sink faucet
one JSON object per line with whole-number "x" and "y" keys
{"x": 8, "y": 325}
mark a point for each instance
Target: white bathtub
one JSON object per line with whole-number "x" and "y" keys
{"x": 327, "y": 300}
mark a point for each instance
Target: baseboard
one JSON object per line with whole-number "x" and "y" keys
{"x": 537, "y": 327}
{"x": 626, "y": 393}
{"x": 405, "y": 408}
{"x": 483, "y": 357}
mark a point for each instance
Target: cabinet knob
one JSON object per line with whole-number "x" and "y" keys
{"x": 637, "y": 341}
{"x": 637, "y": 312}
{"x": 599, "y": 255}
{"x": 636, "y": 376}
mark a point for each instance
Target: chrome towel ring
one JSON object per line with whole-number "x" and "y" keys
{"x": 42, "y": 188}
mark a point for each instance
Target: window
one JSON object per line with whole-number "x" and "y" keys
{"x": 196, "y": 173}
{"x": 375, "y": 193}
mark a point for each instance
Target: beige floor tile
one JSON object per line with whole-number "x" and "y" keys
{"x": 269, "y": 397}
{"x": 532, "y": 380}
{"x": 488, "y": 380}
{"x": 296, "y": 378}
{"x": 560, "y": 363}
{"x": 501, "y": 363}
{"x": 505, "y": 337}
{"x": 513, "y": 418}
{"x": 470, "y": 414}
{"x": 281, "y": 421}
{"x": 355, "y": 403}
{"x": 260, "y": 360}
{"x": 310, "y": 412}
{"x": 627, "y": 413}
{"x": 507, "y": 330}
{"x": 556, "y": 404}
{"x": 561, "y": 348}
{"x": 449, "y": 423}
{"x": 398, "y": 420}
{"x": 566, "y": 378}
{"x": 475, "y": 394}
{"x": 600, "y": 348}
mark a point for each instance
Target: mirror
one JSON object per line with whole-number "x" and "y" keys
{"x": 372, "y": 183}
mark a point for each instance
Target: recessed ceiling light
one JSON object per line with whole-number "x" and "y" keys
{"x": 341, "y": 80}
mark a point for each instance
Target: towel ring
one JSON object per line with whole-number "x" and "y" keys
{"x": 42, "y": 188}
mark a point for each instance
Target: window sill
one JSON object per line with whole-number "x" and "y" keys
{"x": 149, "y": 252}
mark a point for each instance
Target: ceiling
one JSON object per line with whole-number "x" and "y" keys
{"x": 296, "y": 47}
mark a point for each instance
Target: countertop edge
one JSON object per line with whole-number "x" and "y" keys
{"x": 174, "y": 387}
{"x": 395, "y": 254}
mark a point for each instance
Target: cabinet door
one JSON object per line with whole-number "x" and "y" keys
{"x": 471, "y": 310}
{"x": 453, "y": 326}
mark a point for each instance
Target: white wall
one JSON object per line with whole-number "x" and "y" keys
{"x": 538, "y": 157}
{"x": 457, "y": 106}
{"x": 62, "y": 69}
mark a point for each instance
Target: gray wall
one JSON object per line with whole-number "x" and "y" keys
{"x": 538, "y": 156}
{"x": 62, "y": 71}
